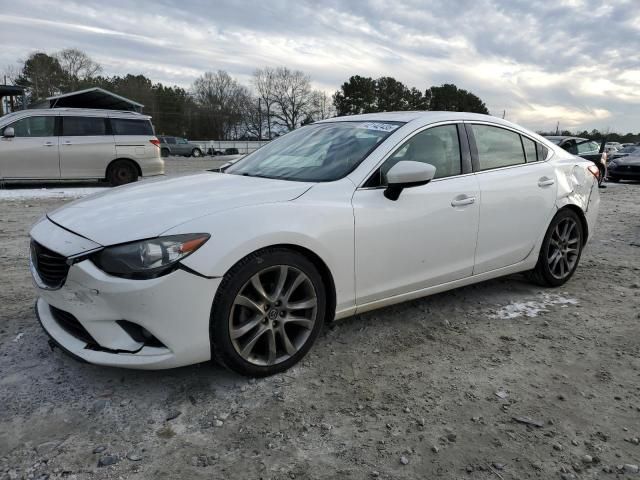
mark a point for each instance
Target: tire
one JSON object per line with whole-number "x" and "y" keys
{"x": 121, "y": 172}
{"x": 261, "y": 337}
{"x": 551, "y": 271}
{"x": 164, "y": 152}
{"x": 196, "y": 152}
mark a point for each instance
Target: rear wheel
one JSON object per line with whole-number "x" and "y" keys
{"x": 268, "y": 312}
{"x": 121, "y": 172}
{"x": 164, "y": 152}
{"x": 560, "y": 251}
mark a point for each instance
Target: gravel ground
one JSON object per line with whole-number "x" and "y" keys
{"x": 500, "y": 380}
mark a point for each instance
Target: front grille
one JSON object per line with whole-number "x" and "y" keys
{"x": 52, "y": 267}
{"x": 71, "y": 325}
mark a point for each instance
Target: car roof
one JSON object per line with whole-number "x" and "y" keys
{"x": 409, "y": 116}
{"x": 89, "y": 112}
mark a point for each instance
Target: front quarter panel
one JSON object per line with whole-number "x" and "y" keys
{"x": 321, "y": 220}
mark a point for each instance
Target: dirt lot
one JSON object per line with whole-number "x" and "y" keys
{"x": 427, "y": 389}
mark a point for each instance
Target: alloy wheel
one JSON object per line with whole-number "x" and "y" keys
{"x": 273, "y": 315}
{"x": 564, "y": 248}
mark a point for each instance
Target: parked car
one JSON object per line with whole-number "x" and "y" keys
{"x": 338, "y": 217}
{"x": 78, "y": 144}
{"x": 624, "y": 167}
{"x": 624, "y": 152}
{"x": 585, "y": 148}
{"x": 178, "y": 146}
{"x": 231, "y": 151}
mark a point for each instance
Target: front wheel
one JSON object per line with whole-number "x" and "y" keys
{"x": 268, "y": 312}
{"x": 121, "y": 172}
{"x": 560, "y": 251}
{"x": 196, "y": 152}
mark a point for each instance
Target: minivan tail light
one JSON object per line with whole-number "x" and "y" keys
{"x": 595, "y": 171}
{"x": 155, "y": 141}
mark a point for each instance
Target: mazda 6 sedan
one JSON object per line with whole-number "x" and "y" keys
{"x": 336, "y": 218}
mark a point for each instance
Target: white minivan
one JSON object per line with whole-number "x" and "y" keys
{"x": 78, "y": 144}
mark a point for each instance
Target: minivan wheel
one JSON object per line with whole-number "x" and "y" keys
{"x": 267, "y": 313}
{"x": 560, "y": 251}
{"x": 121, "y": 172}
{"x": 196, "y": 152}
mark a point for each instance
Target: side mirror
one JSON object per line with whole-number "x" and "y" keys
{"x": 407, "y": 174}
{"x": 9, "y": 132}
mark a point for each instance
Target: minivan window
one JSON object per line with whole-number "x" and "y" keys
{"x": 43, "y": 126}
{"x": 497, "y": 147}
{"x": 83, "y": 126}
{"x": 126, "y": 126}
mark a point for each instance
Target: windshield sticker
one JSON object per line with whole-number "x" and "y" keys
{"x": 382, "y": 127}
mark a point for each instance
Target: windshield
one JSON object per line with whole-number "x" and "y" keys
{"x": 317, "y": 153}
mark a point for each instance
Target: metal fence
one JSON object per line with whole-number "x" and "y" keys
{"x": 244, "y": 146}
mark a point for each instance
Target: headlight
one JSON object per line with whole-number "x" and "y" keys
{"x": 148, "y": 258}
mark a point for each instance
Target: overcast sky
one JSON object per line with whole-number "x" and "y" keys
{"x": 573, "y": 61}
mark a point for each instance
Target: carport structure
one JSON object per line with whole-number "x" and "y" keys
{"x": 95, "y": 97}
{"x": 12, "y": 94}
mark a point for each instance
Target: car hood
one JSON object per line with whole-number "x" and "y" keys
{"x": 148, "y": 209}
{"x": 628, "y": 160}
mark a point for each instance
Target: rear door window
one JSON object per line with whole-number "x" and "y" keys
{"x": 170, "y": 140}
{"x": 83, "y": 126}
{"x": 126, "y": 126}
{"x": 497, "y": 147}
{"x": 43, "y": 126}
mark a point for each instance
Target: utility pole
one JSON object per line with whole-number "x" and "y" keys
{"x": 259, "y": 119}
{"x": 558, "y": 128}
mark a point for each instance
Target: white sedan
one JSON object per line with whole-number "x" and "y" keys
{"x": 336, "y": 218}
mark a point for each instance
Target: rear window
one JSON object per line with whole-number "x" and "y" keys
{"x": 126, "y": 126}
{"x": 83, "y": 126}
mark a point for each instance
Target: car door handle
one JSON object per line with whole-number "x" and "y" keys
{"x": 462, "y": 200}
{"x": 67, "y": 142}
{"x": 545, "y": 182}
{"x": 48, "y": 144}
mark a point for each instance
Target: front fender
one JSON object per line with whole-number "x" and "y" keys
{"x": 325, "y": 229}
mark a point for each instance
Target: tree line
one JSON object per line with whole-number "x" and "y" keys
{"x": 217, "y": 106}
{"x": 597, "y": 135}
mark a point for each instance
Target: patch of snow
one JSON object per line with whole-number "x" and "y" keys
{"x": 18, "y": 337}
{"x": 532, "y": 308}
{"x": 38, "y": 193}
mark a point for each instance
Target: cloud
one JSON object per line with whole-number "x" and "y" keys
{"x": 572, "y": 61}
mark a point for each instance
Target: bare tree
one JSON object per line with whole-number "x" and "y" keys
{"x": 77, "y": 66}
{"x": 264, "y": 83}
{"x": 321, "y": 106}
{"x": 292, "y": 97}
{"x": 221, "y": 98}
